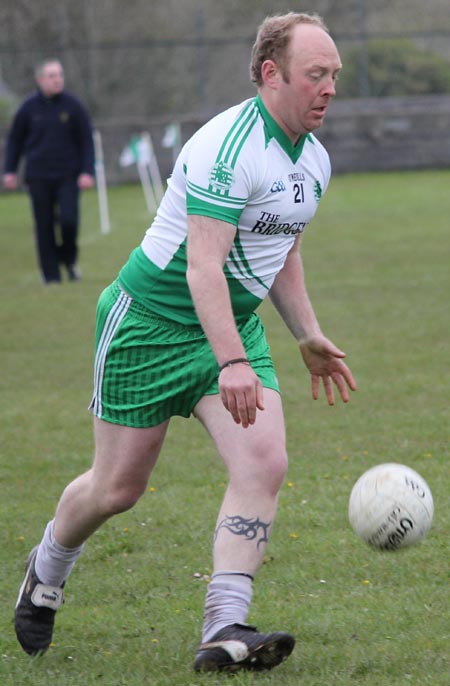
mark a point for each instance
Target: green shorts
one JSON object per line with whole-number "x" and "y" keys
{"x": 148, "y": 368}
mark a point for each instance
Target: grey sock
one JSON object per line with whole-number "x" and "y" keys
{"x": 227, "y": 601}
{"x": 54, "y": 562}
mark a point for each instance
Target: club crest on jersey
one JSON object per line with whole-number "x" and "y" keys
{"x": 221, "y": 176}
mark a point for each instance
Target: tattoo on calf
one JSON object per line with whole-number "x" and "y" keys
{"x": 249, "y": 528}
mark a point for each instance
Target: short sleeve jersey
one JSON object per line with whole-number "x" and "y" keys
{"x": 243, "y": 169}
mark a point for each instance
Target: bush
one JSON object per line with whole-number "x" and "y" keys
{"x": 394, "y": 67}
{"x": 7, "y": 107}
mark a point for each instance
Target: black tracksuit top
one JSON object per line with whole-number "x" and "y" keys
{"x": 54, "y": 135}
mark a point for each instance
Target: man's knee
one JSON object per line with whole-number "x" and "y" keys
{"x": 263, "y": 469}
{"x": 68, "y": 208}
{"x": 120, "y": 498}
{"x": 275, "y": 471}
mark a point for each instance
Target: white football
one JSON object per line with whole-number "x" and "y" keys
{"x": 391, "y": 506}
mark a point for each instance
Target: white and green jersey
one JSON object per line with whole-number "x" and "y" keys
{"x": 241, "y": 168}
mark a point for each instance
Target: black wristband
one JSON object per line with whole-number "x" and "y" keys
{"x": 237, "y": 360}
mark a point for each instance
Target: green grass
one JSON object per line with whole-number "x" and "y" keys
{"x": 378, "y": 273}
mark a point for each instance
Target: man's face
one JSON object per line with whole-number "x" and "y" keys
{"x": 303, "y": 95}
{"x": 51, "y": 79}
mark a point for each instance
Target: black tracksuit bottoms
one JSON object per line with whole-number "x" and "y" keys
{"x": 55, "y": 204}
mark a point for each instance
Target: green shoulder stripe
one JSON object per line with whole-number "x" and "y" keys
{"x": 221, "y": 176}
{"x": 231, "y": 135}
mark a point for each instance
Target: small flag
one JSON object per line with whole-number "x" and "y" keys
{"x": 137, "y": 151}
{"x": 172, "y": 136}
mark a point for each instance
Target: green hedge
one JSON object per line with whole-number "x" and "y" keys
{"x": 394, "y": 67}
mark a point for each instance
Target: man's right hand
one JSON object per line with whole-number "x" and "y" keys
{"x": 241, "y": 392}
{"x": 10, "y": 181}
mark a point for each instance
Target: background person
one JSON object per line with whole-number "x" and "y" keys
{"x": 177, "y": 334}
{"x": 52, "y": 130}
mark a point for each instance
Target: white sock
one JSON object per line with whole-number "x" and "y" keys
{"x": 53, "y": 562}
{"x": 227, "y": 601}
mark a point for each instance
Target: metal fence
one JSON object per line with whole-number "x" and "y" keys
{"x": 175, "y": 78}
{"x": 134, "y": 85}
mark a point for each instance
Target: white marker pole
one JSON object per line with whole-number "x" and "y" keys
{"x": 146, "y": 184}
{"x": 105, "y": 226}
{"x": 153, "y": 168}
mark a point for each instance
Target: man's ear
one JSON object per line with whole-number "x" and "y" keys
{"x": 270, "y": 74}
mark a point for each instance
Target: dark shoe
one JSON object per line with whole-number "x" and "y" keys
{"x": 35, "y": 611}
{"x": 239, "y": 646}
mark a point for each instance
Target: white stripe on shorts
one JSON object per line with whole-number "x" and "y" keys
{"x": 113, "y": 321}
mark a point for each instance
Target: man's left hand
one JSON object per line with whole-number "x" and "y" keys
{"x": 85, "y": 181}
{"x": 325, "y": 361}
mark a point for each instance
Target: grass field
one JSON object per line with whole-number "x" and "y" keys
{"x": 377, "y": 261}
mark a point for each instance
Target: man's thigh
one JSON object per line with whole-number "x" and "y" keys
{"x": 42, "y": 194}
{"x": 68, "y": 202}
{"x": 124, "y": 455}
{"x": 243, "y": 450}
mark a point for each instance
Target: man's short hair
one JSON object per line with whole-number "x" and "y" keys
{"x": 40, "y": 66}
{"x": 273, "y": 39}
